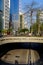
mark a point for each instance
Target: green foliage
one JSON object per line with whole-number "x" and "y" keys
{"x": 9, "y": 31}
{"x": 35, "y": 28}
{"x": 3, "y": 31}
{"x": 23, "y": 30}
{"x": 41, "y": 27}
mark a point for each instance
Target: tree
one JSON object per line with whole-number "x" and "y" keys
{"x": 33, "y": 8}
{"x": 9, "y": 31}
{"x": 30, "y": 10}
{"x": 23, "y": 30}
{"x": 4, "y": 31}
{"x": 38, "y": 21}
{"x": 41, "y": 29}
{"x": 35, "y": 29}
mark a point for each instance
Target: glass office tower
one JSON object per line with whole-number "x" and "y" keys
{"x": 14, "y": 8}
{"x": 14, "y": 11}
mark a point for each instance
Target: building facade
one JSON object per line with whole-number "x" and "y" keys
{"x": 1, "y": 22}
{"x": 21, "y": 17}
{"x": 6, "y": 13}
{"x": 1, "y": 13}
{"x": 5, "y": 8}
{"x": 41, "y": 16}
{"x": 14, "y": 10}
{"x": 17, "y": 15}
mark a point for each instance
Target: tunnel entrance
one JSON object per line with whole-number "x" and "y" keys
{"x": 22, "y": 53}
{"x": 21, "y": 56}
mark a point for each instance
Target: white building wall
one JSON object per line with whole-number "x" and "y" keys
{"x": 6, "y": 13}
{"x": 16, "y": 25}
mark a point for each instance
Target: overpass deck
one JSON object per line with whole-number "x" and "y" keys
{"x": 5, "y": 40}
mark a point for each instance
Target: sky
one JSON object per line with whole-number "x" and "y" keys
{"x": 29, "y": 1}
{"x": 25, "y": 2}
{"x": 39, "y": 3}
{"x": 15, "y": 4}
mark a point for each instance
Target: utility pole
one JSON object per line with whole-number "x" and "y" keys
{"x": 31, "y": 13}
{"x": 38, "y": 22}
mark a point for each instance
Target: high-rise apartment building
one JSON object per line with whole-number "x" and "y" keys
{"x": 5, "y": 8}
{"x": 21, "y": 17}
{"x": 6, "y": 13}
{"x": 41, "y": 16}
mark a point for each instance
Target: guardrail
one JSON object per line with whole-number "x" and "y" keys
{"x": 5, "y": 40}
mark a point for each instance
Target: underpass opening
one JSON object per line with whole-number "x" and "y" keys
{"x": 25, "y": 46}
{"x": 21, "y": 56}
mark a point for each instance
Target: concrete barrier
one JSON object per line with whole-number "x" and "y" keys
{"x": 5, "y": 40}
